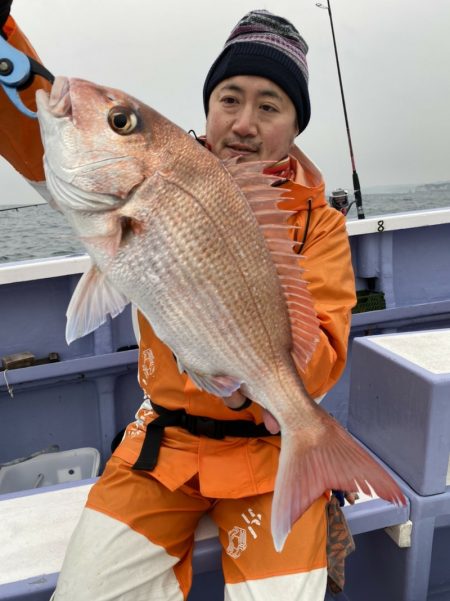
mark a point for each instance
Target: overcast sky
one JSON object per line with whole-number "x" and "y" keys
{"x": 394, "y": 57}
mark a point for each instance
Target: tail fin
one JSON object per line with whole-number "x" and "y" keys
{"x": 308, "y": 467}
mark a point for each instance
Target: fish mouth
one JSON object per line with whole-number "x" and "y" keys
{"x": 58, "y": 103}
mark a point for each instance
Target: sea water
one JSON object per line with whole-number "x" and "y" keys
{"x": 41, "y": 232}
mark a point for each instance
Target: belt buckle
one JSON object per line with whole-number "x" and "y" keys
{"x": 211, "y": 428}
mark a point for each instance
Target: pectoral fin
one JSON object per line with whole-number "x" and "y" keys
{"x": 94, "y": 298}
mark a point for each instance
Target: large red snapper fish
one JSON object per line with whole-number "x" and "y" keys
{"x": 202, "y": 249}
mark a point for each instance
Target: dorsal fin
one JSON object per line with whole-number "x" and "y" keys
{"x": 263, "y": 198}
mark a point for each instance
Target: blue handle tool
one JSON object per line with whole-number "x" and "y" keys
{"x": 17, "y": 71}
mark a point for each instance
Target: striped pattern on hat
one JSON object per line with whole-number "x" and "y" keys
{"x": 263, "y": 27}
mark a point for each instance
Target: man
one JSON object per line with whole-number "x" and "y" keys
{"x": 134, "y": 540}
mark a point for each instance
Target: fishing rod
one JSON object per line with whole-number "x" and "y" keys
{"x": 356, "y": 185}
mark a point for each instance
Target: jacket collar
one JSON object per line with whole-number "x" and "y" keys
{"x": 308, "y": 186}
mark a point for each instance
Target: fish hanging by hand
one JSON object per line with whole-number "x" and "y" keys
{"x": 202, "y": 249}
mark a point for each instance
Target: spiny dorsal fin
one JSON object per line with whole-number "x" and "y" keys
{"x": 263, "y": 199}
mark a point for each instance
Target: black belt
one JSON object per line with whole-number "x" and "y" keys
{"x": 195, "y": 424}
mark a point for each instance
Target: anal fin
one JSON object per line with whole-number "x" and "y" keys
{"x": 222, "y": 385}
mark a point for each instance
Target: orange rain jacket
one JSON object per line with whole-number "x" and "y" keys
{"x": 233, "y": 467}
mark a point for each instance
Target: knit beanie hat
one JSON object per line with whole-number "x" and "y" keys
{"x": 269, "y": 46}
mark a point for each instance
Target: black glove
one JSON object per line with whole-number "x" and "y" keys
{"x": 5, "y": 8}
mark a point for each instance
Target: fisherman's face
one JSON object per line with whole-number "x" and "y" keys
{"x": 252, "y": 117}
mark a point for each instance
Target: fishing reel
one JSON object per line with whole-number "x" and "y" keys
{"x": 339, "y": 201}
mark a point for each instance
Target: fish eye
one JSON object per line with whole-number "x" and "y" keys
{"x": 122, "y": 120}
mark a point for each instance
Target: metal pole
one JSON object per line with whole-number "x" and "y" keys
{"x": 356, "y": 185}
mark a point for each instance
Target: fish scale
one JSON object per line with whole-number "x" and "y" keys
{"x": 219, "y": 273}
{"x": 178, "y": 294}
